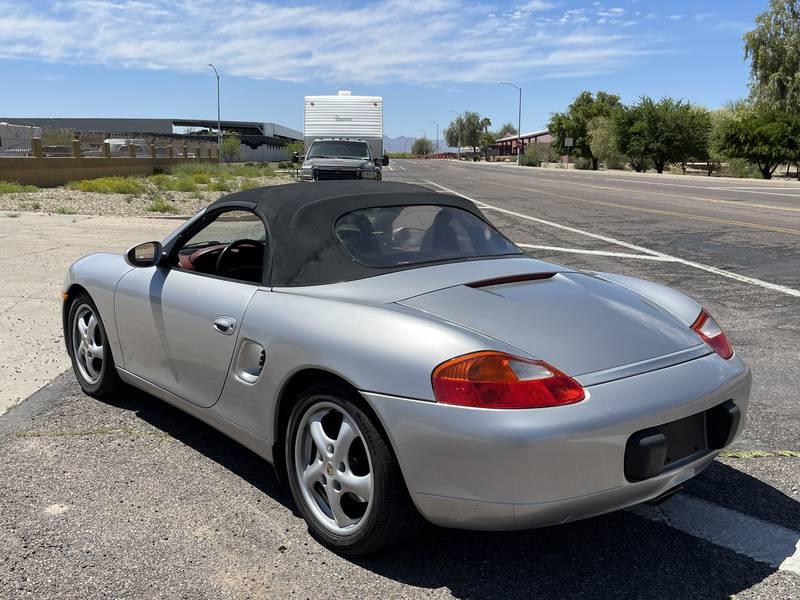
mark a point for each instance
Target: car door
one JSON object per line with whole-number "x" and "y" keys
{"x": 178, "y": 322}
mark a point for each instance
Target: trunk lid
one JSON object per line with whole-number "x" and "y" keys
{"x": 591, "y": 329}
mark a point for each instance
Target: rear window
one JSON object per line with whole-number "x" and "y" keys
{"x": 391, "y": 236}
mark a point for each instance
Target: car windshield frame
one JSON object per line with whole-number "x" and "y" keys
{"x": 493, "y": 236}
{"x": 342, "y": 143}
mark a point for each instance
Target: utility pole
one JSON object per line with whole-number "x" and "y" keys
{"x": 519, "y": 122}
{"x": 219, "y": 121}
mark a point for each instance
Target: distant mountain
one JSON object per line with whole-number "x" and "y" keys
{"x": 404, "y": 143}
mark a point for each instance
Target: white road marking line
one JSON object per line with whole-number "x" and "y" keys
{"x": 596, "y": 252}
{"x": 402, "y": 168}
{"x": 761, "y": 190}
{"x": 390, "y": 167}
{"x": 689, "y": 263}
{"x": 759, "y": 540}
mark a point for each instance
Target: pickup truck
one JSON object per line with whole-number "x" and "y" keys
{"x": 328, "y": 159}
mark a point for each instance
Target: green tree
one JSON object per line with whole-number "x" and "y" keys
{"x": 773, "y": 48}
{"x": 603, "y": 144}
{"x": 506, "y": 130}
{"x": 716, "y": 153}
{"x": 453, "y": 132}
{"x": 765, "y": 137}
{"x": 473, "y": 128}
{"x": 231, "y": 149}
{"x": 630, "y": 130}
{"x": 487, "y": 140}
{"x": 693, "y": 124}
{"x": 466, "y": 130}
{"x": 574, "y": 123}
{"x": 422, "y": 146}
{"x": 663, "y": 132}
{"x": 293, "y": 147}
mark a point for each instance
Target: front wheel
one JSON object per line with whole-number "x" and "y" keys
{"x": 344, "y": 478}
{"x": 89, "y": 349}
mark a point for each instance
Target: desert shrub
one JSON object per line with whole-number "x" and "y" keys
{"x": 741, "y": 167}
{"x": 217, "y": 170}
{"x": 159, "y": 204}
{"x": 248, "y": 184}
{"x": 109, "y": 185}
{"x": 12, "y": 187}
{"x": 221, "y": 184}
{"x": 182, "y": 183}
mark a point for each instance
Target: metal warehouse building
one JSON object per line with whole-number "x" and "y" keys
{"x": 260, "y": 141}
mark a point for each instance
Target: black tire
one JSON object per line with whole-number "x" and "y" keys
{"x": 108, "y": 381}
{"x": 392, "y": 517}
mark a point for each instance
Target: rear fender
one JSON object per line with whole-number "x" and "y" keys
{"x": 681, "y": 306}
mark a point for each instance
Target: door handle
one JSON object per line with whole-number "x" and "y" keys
{"x": 225, "y": 325}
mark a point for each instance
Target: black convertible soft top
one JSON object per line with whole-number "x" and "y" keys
{"x": 300, "y": 220}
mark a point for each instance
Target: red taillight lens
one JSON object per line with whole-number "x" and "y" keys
{"x": 712, "y": 334}
{"x": 498, "y": 380}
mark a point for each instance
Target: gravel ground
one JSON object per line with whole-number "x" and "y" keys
{"x": 64, "y": 201}
{"x": 134, "y": 499}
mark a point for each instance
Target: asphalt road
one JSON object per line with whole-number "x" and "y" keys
{"x": 749, "y": 231}
{"x": 133, "y": 499}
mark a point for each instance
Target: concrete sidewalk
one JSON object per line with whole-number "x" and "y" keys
{"x": 35, "y": 252}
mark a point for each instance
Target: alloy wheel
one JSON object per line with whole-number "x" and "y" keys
{"x": 333, "y": 468}
{"x": 88, "y": 345}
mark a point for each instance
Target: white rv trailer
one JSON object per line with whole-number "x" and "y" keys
{"x": 345, "y": 116}
{"x": 16, "y": 140}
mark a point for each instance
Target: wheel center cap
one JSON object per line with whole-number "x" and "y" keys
{"x": 329, "y": 469}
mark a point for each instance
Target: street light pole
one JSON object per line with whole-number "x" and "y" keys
{"x": 436, "y": 143}
{"x": 219, "y": 121}
{"x": 519, "y": 122}
{"x": 459, "y": 134}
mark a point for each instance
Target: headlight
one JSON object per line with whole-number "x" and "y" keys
{"x": 306, "y": 174}
{"x": 369, "y": 174}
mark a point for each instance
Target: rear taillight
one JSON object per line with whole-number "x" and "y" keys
{"x": 712, "y": 334}
{"x": 499, "y": 380}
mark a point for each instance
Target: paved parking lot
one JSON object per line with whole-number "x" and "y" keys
{"x": 131, "y": 498}
{"x": 37, "y": 249}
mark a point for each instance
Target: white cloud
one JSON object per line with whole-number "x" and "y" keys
{"x": 675, "y": 17}
{"x": 398, "y": 40}
{"x": 536, "y": 5}
{"x": 611, "y": 12}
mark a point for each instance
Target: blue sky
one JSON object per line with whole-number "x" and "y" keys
{"x": 147, "y": 58}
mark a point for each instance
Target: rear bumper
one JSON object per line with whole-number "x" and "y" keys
{"x": 504, "y": 469}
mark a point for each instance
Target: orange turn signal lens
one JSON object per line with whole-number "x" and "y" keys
{"x": 497, "y": 380}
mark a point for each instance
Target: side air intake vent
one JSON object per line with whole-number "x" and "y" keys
{"x": 250, "y": 362}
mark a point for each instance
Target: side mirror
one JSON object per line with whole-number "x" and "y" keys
{"x": 295, "y": 158}
{"x": 385, "y": 160}
{"x": 145, "y": 255}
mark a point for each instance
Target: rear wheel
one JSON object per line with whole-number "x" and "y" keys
{"x": 89, "y": 349}
{"x": 344, "y": 478}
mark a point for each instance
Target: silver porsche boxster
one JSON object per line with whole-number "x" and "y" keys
{"x": 394, "y": 356}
